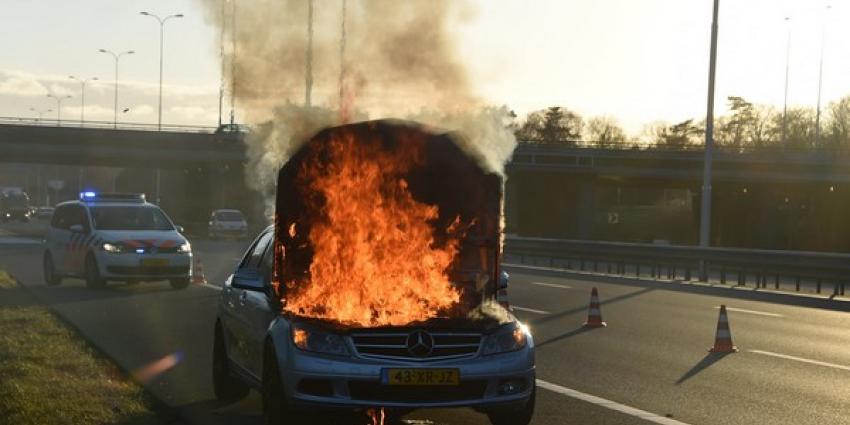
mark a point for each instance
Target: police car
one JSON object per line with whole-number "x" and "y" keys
{"x": 115, "y": 236}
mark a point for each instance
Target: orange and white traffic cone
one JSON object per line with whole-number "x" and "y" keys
{"x": 198, "y": 277}
{"x": 723, "y": 338}
{"x": 594, "y": 313}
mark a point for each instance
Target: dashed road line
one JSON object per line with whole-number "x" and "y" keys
{"x": 552, "y": 285}
{"x": 756, "y": 312}
{"x": 530, "y": 310}
{"x": 801, "y": 359}
{"x": 608, "y": 404}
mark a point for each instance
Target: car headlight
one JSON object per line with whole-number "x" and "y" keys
{"x": 184, "y": 248}
{"x": 510, "y": 337}
{"x": 318, "y": 341}
{"x": 111, "y": 247}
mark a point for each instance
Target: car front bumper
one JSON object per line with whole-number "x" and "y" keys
{"x": 132, "y": 266}
{"x": 312, "y": 381}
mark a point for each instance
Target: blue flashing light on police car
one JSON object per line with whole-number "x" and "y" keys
{"x": 87, "y": 195}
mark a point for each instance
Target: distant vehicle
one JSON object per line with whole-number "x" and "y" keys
{"x": 233, "y": 129}
{"x": 44, "y": 213}
{"x": 227, "y": 222}
{"x": 113, "y": 236}
{"x": 15, "y": 206}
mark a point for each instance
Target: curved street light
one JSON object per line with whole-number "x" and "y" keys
{"x": 59, "y": 100}
{"x": 116, "y": 56}
{"x": 162, "y": 22}
{"x": 83, "y": 96}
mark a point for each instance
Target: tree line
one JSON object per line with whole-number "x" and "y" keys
{"x": 747, "y": 126}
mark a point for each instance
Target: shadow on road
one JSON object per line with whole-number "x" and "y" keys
{"x": 561, "y": 314}
{"x": 705, "y": 363}
{"x": 569, "y": 334}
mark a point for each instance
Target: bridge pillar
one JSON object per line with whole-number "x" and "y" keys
{"x": 586, "y": 207}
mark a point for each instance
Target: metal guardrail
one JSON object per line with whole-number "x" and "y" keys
{"x": 673, "y": 261}
{"x": 105, "y": 125}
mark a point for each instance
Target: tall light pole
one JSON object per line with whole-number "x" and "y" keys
{"x": 705, "y": 205}
{"x": 308, "y": 86}
{"x": 221, "y": 58}
{"x": 162, "y": 22}
{"x": 820, "y": 78}
{"x": 59, "y": 100}
{"x": 787, "y": 68}
{"x": 40, "y": 113}
{"x": 83, "y": 96}
{"x": 116, "y": 56}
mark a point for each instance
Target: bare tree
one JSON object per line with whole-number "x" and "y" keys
{"x": 555, "y": 124}
{"x": 604, "y": 132}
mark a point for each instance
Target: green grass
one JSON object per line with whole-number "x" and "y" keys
{"x": 49, "y": 375}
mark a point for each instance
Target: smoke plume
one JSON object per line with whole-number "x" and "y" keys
{"x": 399, "y": 61}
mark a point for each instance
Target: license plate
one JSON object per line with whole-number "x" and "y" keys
{"x": 154, "y": 262}
{"x": 421, "y": 377}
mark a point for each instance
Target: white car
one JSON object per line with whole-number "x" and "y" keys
{"x": 118, "y": 237}
{"x": 225, "y": 223}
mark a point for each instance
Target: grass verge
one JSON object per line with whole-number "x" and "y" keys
{"x": 49, "y": 375}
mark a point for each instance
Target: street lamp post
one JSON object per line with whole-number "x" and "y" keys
{"x": 705, "y": 205}
{"x": 116, "y": 56}
{"x": 59, "y": 100}
{"x": 162, "y": 22}
{"x": 785, "y": 104}
{"x": 820, "y": 79}
{"x": 82, "y": 96}
{"x": 40, "y": 113}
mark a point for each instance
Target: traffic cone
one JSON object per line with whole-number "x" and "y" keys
{"x": 594, "y": 313}
{"x": 723, "y": 338}
{"x": 198, "y": 277}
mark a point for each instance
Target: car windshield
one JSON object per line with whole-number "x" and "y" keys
{"x": 130, "y": 218}
{"x": 229, "y": 216}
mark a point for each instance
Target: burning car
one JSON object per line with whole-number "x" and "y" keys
{"x": 377, "y": 285}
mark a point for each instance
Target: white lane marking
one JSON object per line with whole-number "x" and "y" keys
{"x": 551, "y": 285}
{"x": 530, "y": 310}
{"x": 801, "y": 359}
{"x": 236, "y": 259}
{"x": 741, "y": 310}
{"x": 18, "y": 240}
{"x": 608, "y": 404}
{"x": 207, "y": 285}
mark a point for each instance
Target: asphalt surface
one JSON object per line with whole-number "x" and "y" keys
{"x": 793, "y": 366}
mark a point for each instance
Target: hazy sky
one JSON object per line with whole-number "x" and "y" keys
{"x": 638, "y": 61}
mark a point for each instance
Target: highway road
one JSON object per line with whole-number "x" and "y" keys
{"x": 650, "y": 365}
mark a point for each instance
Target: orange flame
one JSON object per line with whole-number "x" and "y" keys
{"x": 375, "y": 259}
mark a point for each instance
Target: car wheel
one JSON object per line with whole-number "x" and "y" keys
{"x": 93, "y": 278}
{"x": 520, "y": 416}
{"x": 225, "y": 387}
{"x": 181, "y": 283}
{"x": 276, "y": 411}
{"x": 50, "y": 276}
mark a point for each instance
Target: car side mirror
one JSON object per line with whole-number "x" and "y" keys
{"x": 77, "y": 228}
{"x": 503, "y": 280}
{"x": 180, "y": 229}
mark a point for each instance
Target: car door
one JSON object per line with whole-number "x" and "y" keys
{"x": 260, "y": 308}
{"x": 79, "y": 231}
{"x": 240, "y": 298}
{"x": 58, "y": 236}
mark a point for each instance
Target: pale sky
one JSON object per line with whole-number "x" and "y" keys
{"x": 639, "y": 61}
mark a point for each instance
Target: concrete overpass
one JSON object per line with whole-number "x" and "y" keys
{"x": 557, "y": 191}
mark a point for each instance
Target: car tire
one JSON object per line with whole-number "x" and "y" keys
{"x": 181, "y": 283}
{"x": 276, "y": 411}
{"x": 225, "y": 386}
{"x": 50, "y": 276}
{"x": 521, "y": 416}
{"x": 93, "y": 278}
